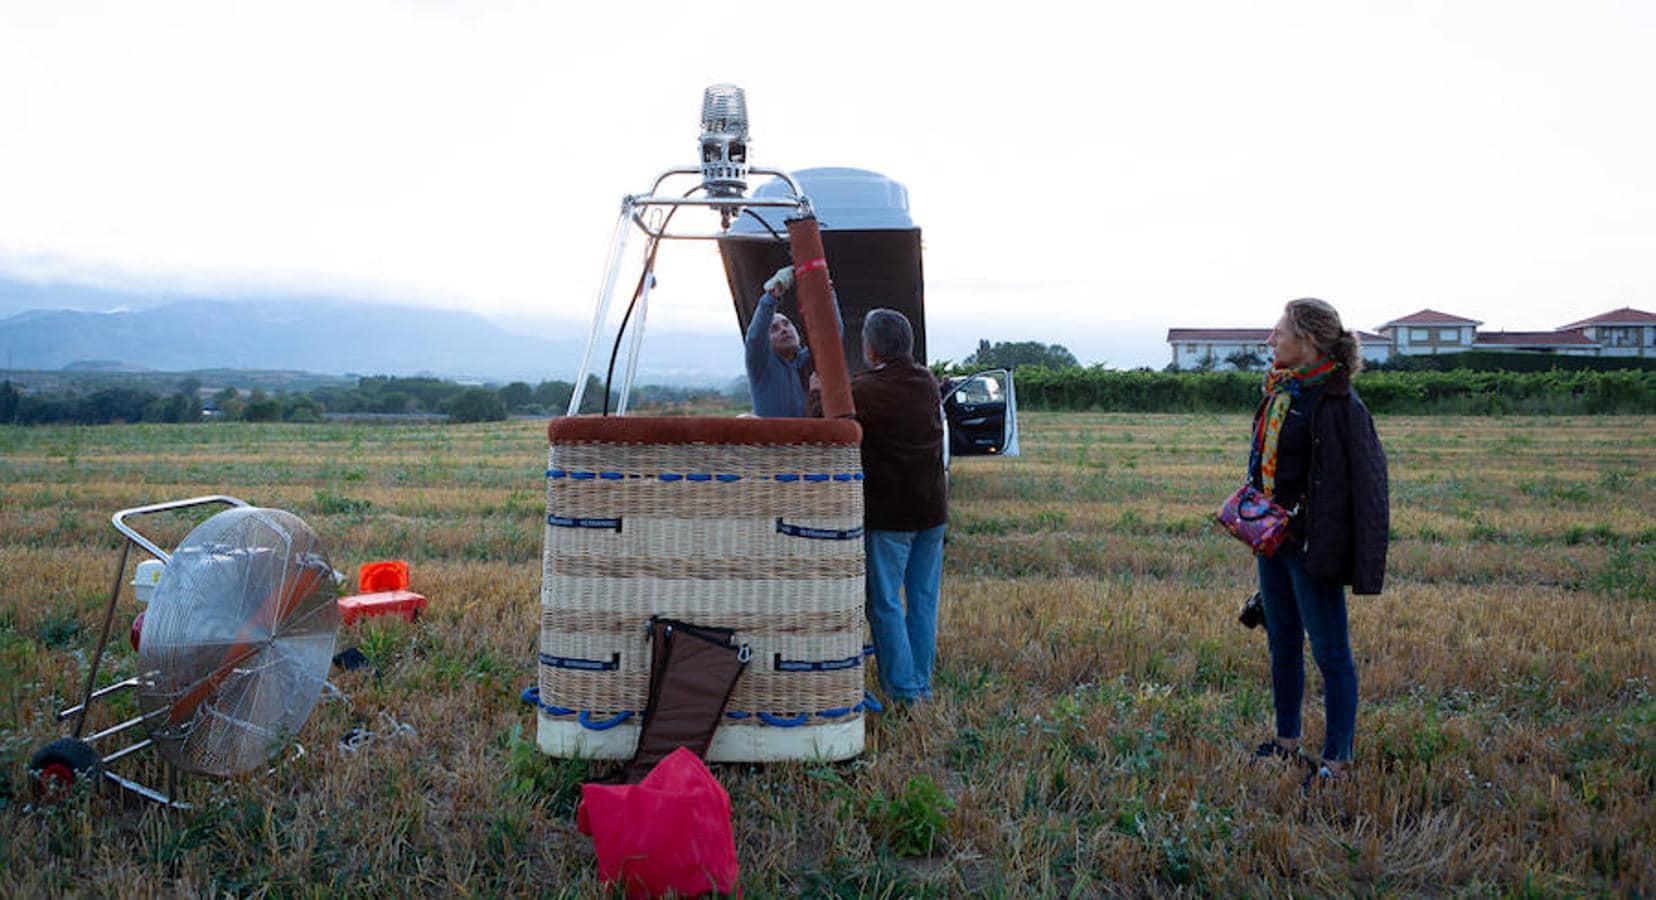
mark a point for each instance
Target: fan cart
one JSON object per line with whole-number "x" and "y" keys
{"x": 233, "y": 651}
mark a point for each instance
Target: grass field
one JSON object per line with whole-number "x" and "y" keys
{"x": 1095, "y": 694}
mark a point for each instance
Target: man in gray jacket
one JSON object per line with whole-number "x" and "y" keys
{"x": 777, "y": 363}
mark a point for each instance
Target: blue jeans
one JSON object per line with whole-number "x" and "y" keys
{"x": 1297, "y": 605}
{"x": 904, "y": 564}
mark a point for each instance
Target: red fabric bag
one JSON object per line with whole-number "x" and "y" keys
{"x": 1255, "y": 519}
{"x": 669, "y": 832}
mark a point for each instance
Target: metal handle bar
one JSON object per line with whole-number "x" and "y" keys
{"x": 709, "y": 203}
{"x": 633, "y": 202}
{"x": 119, "y": 519}
{"x": 784, "y": 202}
{"x": 752, "y": 170}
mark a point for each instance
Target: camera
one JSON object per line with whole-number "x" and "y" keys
{"x": 1253, "y": 611}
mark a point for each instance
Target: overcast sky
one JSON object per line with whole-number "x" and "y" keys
{"x": 1090, "y": 178}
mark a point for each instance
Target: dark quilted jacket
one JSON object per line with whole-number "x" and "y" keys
{"x": 1347, "y": 509}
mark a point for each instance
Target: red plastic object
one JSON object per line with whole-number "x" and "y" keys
{"x": 137, "y": 628}
{"x": 384, "y": 575}
{"x": 668, "y": 833}
{"x": 55, "y": 782}
{"x": 407, "y": 604}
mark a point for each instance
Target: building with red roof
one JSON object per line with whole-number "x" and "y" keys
{"x": 1214, "y": 348}
{"x": 1429, "y": 332}
{"x": 1620, "y": 332}
{"x": 1537, "y": 341}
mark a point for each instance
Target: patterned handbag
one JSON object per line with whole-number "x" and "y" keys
{"x": 1255, "y": 519}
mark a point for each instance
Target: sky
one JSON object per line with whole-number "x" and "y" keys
{"x": 1085, "y": 174}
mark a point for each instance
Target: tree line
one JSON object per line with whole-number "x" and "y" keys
{"x": 377, "y": 395}
{"x": 1471, "y": 383}
{"x": 1460, "y": 392}
{"x": 1048, "y": 378}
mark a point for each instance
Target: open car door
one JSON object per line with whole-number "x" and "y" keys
{"x": 980, "y": 413}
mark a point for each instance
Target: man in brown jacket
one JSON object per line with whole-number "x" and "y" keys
{"x": 905, "y": 503}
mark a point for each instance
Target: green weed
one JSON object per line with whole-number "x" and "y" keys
{"x": 543, "y": 780}
{"x": 1628, "y": 573}
{"x": 330, "y": 503}
{"x": 910, "y": 822}
{"x": 59, "y": 631}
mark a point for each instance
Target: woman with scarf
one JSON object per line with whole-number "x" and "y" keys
{"x": 1315, "y": 452}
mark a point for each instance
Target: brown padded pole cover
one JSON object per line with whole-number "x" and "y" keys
{"x": 816, "y": 302}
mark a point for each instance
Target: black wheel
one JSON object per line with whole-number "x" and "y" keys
{"x": 60, "y": 765}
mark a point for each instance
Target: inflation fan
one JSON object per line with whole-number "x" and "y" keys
{"x": 233, "y": 652}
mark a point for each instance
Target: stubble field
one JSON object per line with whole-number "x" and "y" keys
{"x": 1095, "y": 699}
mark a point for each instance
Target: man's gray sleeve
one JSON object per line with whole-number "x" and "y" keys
{"x": 758, "y": 335}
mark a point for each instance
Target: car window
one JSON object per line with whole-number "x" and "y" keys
{"x": 982, "y": 389}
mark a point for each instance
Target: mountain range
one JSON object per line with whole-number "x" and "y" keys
{"x": 57, "y": 326}
{"x": 326, "y": 336}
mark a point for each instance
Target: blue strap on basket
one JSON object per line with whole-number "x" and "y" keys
{"x": 869, "y": 702}
{"x": 819, "y": 534}
{"x": 605, "y": 725}
{"x": 790, "y": 477}
{"x": 722, "y": 477}
{"x": 531, "y": 696}
{"x": 816, "y": 665}
{"x": 584, "y": 665}
{"x": 584, "y": 522}
{"x": 780, "y": 722}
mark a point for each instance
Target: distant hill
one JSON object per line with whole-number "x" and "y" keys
{"x": 22, "y": 296}
{"x": 331, "y": 337}
{"x": 104, "y": 365}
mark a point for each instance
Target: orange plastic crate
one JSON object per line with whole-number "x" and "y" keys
{"x": 407, "y": 604}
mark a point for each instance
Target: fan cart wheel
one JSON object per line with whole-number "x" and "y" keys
{"x": 61, "y": 764}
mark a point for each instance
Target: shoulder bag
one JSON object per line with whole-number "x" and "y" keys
{"x": 1255, "y": 519}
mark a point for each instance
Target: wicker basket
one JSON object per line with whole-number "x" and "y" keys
{"x": 748, "y": 524}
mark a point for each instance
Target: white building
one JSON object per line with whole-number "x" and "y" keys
{"x": 1621, "y": 332}
{"x": 1566, "y": 343}
{"x": 1198, "y": 348}
{"x": 1208, "y": 348}
{"x": 1430, "y": 332}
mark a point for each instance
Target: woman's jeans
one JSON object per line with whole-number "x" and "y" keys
{"x": 1297, "y": 605}
{"x": 905, "y": 640}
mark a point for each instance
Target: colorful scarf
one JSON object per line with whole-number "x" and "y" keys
{"x": 1282, "y": 385}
